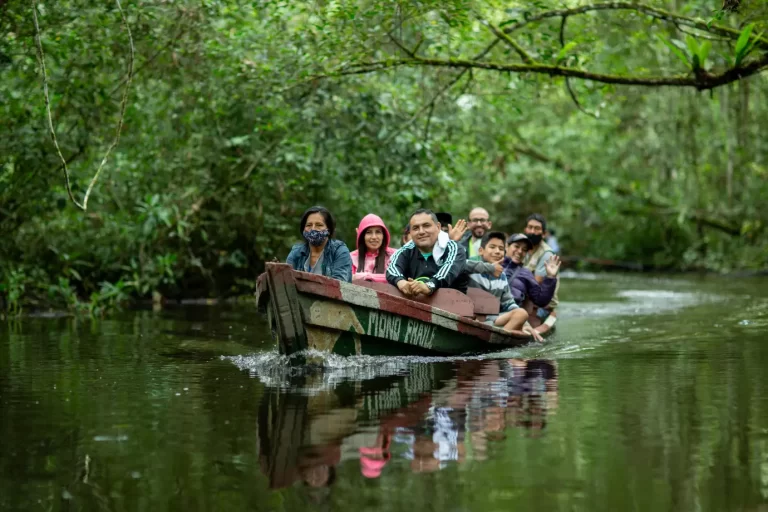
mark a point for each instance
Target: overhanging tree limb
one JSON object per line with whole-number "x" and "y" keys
{"x": 648, "y": 10}
{"x": 701, "y": 81}
{"x": 510, "y": 42}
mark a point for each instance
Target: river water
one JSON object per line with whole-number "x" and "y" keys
{"x": 652, "y": 395}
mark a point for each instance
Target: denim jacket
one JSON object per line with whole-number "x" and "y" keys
{"x": 336, "y": 260}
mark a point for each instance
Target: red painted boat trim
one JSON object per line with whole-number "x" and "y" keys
{"x": 401, "y": 306}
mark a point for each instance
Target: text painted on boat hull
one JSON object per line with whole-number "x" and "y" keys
{"x": 384, "y": 325}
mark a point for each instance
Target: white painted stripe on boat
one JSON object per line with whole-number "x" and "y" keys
{"x": 442, "y": 321}
{"x": 359, "y": 295}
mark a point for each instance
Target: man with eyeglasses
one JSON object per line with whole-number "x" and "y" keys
{"x": 479, "y": 224}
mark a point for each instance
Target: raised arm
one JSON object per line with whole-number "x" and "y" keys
{"x": 479, "y": 267}
{"x": 541, "y": 267}
{"x": 540, "y": 293}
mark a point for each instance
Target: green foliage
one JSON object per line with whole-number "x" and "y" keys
{"x": 230, "y": 134}
{"x": 743, "y": 45}
{"x": 677, "y": 53}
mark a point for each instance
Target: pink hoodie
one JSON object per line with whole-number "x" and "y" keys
{"x": 369, "y": 221}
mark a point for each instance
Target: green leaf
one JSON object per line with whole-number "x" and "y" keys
{"x": 564, "y": 51}
{"x": 693, "y": 45}
{"x": 742, "y": 45}
{"x": 749, "y": 48}
{"x": 704, "y": 49}
{"x": 675, "y": 50}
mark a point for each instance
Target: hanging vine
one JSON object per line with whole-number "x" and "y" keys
{"x": 123, "y": 104}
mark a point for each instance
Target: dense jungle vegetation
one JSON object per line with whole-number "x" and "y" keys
{"x": 637, "y": 128}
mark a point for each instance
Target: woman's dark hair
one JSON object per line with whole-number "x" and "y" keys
{"x": 406, "y": 231}
{"x": 362, "y": 249}
{"x": 327, "y": 217}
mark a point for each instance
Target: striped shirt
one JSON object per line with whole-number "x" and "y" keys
{"x": 498, "y": 286}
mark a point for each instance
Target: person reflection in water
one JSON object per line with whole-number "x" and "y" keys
{"x": 374, "y": 458}
{"x": 317, "y": 465}
{"x": 482, "y": 402}
{"x": 319, "y": 476}
{"x": 534, "y": 396}
{"x": 440, "y": 439}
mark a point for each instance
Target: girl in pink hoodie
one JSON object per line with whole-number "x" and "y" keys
{"x": 373, "y": 252}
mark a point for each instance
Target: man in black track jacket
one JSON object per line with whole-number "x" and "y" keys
{"x": 430, "y": 261}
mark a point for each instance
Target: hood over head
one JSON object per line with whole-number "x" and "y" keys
{"x": 368, "y": 221}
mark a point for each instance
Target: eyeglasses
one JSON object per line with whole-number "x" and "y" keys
{"x": 479, "y": 221}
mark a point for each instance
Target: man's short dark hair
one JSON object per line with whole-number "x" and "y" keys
{"x": 444, "y": 218}
{"x": 538, "y": 218}
{"x": 424, "y": 211}
{"x": 491, "y": 235}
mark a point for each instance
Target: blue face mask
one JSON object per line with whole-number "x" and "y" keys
{"x": 315, "y": 237}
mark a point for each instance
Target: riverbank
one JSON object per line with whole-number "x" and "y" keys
{"x": 158, "y": 303}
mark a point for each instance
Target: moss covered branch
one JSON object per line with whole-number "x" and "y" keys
{"x": 701, "y": 81}
{"x": 648, "y": 10}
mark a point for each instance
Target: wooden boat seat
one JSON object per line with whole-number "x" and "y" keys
{"x": 485, "y": 303}
{"x": 446, "y": 299}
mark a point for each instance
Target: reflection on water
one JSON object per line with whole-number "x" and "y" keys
{"x": 652, "y": 395}
{"x": 425, "y": 418}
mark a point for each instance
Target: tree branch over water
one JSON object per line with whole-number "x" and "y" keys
{"x": 509, "y": 41}
{"x": 698, "y": 76}
{"x": 701, "y": 81}
{"x": 648, "y": 10}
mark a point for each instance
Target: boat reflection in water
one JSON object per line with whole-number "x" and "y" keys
{"x": 421, "y": 420}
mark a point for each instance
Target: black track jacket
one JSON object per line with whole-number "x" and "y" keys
{"x": 443, "y": 267}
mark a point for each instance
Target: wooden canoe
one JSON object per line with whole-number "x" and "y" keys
{"x": 308, "y": 311}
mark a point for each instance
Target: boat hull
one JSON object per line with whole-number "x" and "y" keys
{"x": 314, "y": 312}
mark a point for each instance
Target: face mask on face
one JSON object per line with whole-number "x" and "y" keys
{"x": 535, "y": 239}
{"x": 316, "y": 237}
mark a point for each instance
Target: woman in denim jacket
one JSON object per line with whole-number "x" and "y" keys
{"x": 320, "y": 253}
